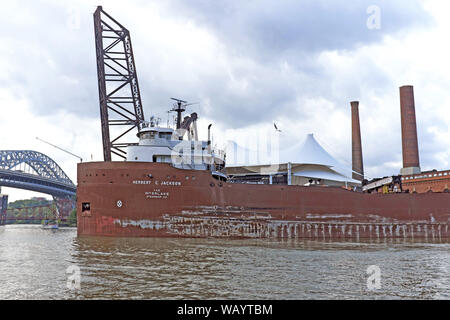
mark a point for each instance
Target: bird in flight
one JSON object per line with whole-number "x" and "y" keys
{"x": 276, "y": 128}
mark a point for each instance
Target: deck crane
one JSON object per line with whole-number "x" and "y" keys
{"x": 72, "y": 154}
{"x": 121, "y": 108}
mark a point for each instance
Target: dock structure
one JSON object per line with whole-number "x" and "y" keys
{"x": 3, "y": 208}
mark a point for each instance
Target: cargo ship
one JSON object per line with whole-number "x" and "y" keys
{"x": 170, "y": 184}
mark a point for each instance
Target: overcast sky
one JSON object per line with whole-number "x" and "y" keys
{"x": 248, "y": 64}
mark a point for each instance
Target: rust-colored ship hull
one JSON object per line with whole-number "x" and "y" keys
{"x": 141, "y": 199}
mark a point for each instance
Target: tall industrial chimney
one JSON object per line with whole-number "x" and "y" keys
{"x": 357, "y": 158}
{"x": 410, "y": 147}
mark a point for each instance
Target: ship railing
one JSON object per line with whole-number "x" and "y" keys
{"x": 427, "y": 175}
{"x": 218, "y": 153}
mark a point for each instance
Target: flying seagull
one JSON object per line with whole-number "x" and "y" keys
{"x": 276, "y": 128}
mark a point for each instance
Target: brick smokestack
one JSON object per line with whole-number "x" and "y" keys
{"x": 410, "y": 147}
{"x": 357, "y": 158}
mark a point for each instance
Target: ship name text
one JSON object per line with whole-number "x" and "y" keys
{"x": 157, "y": 182}
{"x": 156, "y": 194}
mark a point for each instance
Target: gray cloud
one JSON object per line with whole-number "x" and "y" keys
{"x": 53, "y": 63}
{"x": 267, "y": 29}
{"x": 270, "y": 63}
{"x": 51, "y": 59}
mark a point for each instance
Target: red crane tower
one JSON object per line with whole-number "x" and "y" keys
{"x": 119, "y": 96}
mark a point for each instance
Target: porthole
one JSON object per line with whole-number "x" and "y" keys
{"x": 85, "y": 206}
{"x": 211, "y": 184}
{"x": 193, "y": 177}
{"x": 187, "y": 177}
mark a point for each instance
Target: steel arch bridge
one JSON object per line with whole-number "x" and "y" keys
{"x": 34, "y": 171}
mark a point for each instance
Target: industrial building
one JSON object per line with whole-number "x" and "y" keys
{"x": 311, "y": 165}
{"x": 411, "y": 179}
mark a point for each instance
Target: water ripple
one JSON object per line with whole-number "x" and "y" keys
{"x": 33, "y": 265}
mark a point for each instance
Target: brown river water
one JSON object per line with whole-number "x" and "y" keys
{"x": 42, "y": 264}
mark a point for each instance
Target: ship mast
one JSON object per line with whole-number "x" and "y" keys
{"x": 179, "y": 107}
{"x": 189, "y": 121}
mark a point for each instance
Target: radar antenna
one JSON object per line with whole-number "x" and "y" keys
{"x": 189, "y": 123}
{"x": 179, "y": 107}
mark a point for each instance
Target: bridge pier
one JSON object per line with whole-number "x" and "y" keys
{"x": 3, "y": 207}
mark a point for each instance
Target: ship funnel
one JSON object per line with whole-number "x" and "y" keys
{"x": 357, "y": 158}
{"x": 409, "y": 132}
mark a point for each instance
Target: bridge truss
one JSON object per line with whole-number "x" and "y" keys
{"x": 34, "y": 171}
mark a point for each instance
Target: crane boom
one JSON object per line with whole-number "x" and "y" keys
{"x": 81, "y": 159}
{"x": 119, "y": 95}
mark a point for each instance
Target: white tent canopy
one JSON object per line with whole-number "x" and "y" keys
{"x": 309, "y": 152}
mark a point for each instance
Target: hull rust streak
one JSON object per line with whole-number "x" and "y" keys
{"x": 201, "y": 207}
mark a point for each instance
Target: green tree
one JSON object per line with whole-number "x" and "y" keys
{"x": 72, "y": 220}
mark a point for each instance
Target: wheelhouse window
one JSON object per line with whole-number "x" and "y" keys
{"x": 148, "y": 135}
{"x": 165, "y": 135}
